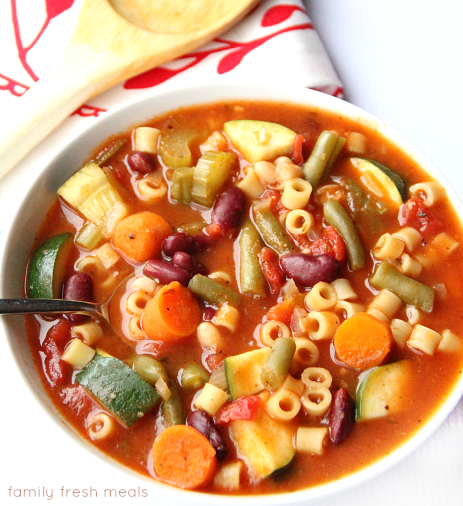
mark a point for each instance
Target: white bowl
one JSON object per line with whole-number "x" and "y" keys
{"x": 17, "y": 242}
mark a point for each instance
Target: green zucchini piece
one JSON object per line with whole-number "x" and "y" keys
{"x": 259, "y": 140}
{"x": 381, "y": 391}
{"x": 47, "y": 268}
{"x": 381, "y": 181}
{"x": 90, "y": 192}
{"x": 243, "y": 372}
{"x": 266, "y": 443}
{"x": 210, "y": 174}
{"x": 118, "y": 388}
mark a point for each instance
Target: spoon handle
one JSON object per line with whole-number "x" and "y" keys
{"x": 35, "y": 306}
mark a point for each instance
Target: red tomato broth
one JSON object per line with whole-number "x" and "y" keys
{"x": 433, "y": 376}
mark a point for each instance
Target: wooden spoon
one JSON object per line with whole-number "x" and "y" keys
{"x": 113, "y": 41}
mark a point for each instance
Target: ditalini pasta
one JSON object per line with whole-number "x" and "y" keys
{"x": 282, "y": 284}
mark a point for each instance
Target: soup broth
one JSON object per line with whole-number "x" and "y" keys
{"x": 224, "y": 227}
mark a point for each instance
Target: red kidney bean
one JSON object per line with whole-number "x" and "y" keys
{"x": 341, "y": 416}
{"x": 209, "y": 313}
{"x": 202, "y": 242}
{"x": 228, "y": 209}
{"x": 78, "y": 286}
{"x": 141, "y": 162}
{"x": 166, "y": 273}
{"x": 204, "y": 424}
{"x": 177, "y": 242}
{"x": 189, "y": 263}
{"x": 307, "y": 270}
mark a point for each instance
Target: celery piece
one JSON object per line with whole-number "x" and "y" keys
{"x": 336, "y": 216}
{"x": 271, "y": 231}
{"x": 90, "y": 192}
{"x": 174, "y": 147}
{"x": 252, "y": 279}
{"x": 89, "y": 236}
{"x": 212, "y": 291}
{"x": 182, "y": 184}
{"x": 407, "y": 289}
{"x": 210, "y": 174}
{"x": 323, "y": 156}
{"x": 192, "y": 228}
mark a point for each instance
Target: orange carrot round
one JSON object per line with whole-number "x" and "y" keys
{"x": 140, "y": 235}
{"x": 173, "y": 313}
{"x": 362, "y": 341}
{"x": 183, "y": 457}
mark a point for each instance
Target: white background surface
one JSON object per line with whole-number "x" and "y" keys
{"x": 401, "y": 61}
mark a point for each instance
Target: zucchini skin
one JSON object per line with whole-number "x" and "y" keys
{"x": 46, "y": 268}
{"x": 118, "y": 388}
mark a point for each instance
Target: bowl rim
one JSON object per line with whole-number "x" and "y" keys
{"x": 137, "y": 110}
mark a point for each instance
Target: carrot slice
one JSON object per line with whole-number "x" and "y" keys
{"x": 183, "y": 457}
{"x": 140, "y": 235}
{"x": 173, "y": 313}
{"x": 362, "y": 341}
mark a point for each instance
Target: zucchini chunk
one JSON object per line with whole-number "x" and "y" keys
{"x": 381, "y": 391}
{"x": 259, "y": 140}
{"x": 90, "y": 192}
{"x": 383, "y": 182}
{"x": 266, "y": 443}
{"x": 243, "y": 372}
{"x": 47, "y": 268}
{"x": 118, "y": 388}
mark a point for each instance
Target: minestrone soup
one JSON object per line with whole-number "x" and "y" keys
{"x": 282, "y": 286}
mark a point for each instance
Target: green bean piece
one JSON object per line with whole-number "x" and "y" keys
{"x": 212, "y": 291}
{"x": 276, "y": 367}
{"x": 194, "y": 376}
{"x": 407, "y": 289}
{"x": 252, "y": 279}
{"x": 336, "y": 216}
{"x": 149, "y": 369}
{"x": 271, "y": 230}
{"x": 173, "y": 410}
{"x": 192, "y": 228}
{"x": 110, "y": 151}
{"x": 182, "y": 183}
{"x": 324, "y": 154}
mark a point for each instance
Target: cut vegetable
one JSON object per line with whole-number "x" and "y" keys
{"x": 174, "y": 147}
{"x": 243, "y": 372}
{"x": 266, "y": 443}
{"x": 90, "y": 192}
{"x": 381, "y": 392}
{"x": 182, "y": 184}
{"x": 118, "y": 388}
{"x": 47, "y": 268}
{"x": 260, "y": 140}
{"x": 172, "y": 314}
{"x": 381, "y": 181}
{"x": 183, "y": 457}
{"x": 211, "y": 172}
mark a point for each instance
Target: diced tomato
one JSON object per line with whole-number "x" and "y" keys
{"x": 60, "y": 333}
{"x": 269, "y": 261}
{"x": 57, "y": 371}
{"x": 244, "y": 408}
{"x": 284, "y": 310}
{"x": 296, "y": 153}
{"x": 275, "y": 201}
{"x": 209, "y": 313}
{"x": 330, "y": 243}
{"x": 123, "y": 176}
{"x": 214, "y": 230}
{"x": 214, "y": 360}
{"x": 414, "y": 213}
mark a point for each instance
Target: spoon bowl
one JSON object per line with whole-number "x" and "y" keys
{"x": 113, "y": 40}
